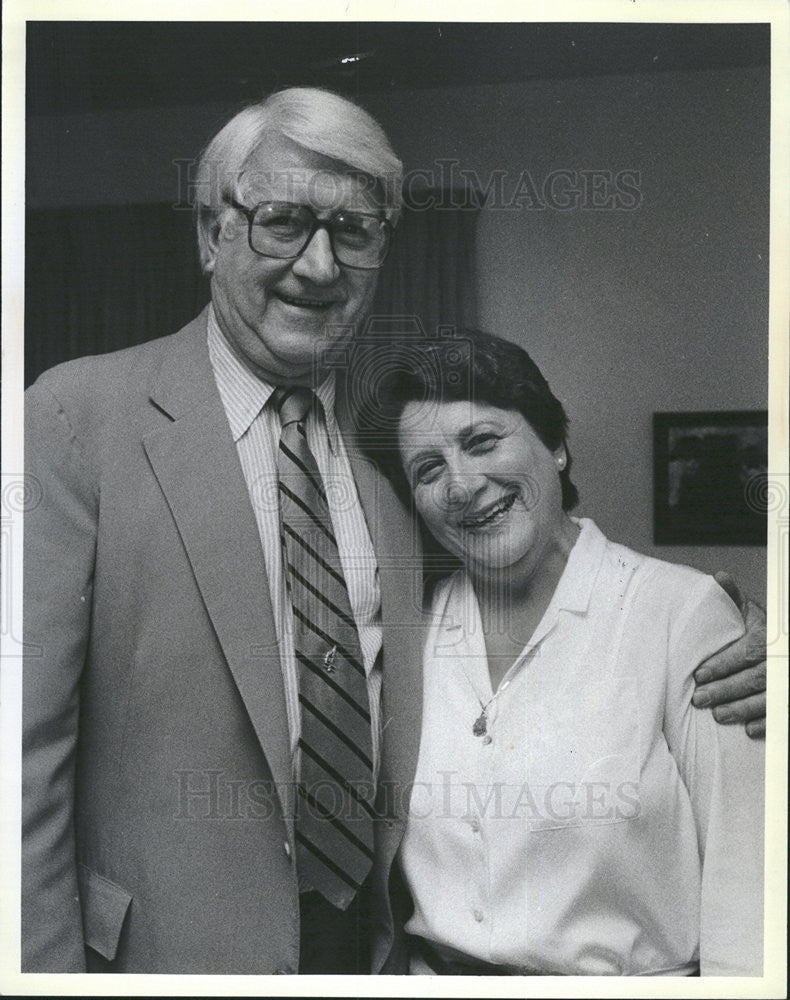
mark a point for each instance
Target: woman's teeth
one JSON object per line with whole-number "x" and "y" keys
{"x": 490, "y": 514}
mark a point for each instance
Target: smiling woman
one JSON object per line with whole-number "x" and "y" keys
{"x": 483, "y": 482}
{"x": 570, "y": 813}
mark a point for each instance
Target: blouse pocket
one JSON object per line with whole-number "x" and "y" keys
{"x": 583, "y": 754}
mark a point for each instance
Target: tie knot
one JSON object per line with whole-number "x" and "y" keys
{"x": 293, "y": 404}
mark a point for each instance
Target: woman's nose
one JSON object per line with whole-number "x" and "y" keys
{"x": 461, "y": 483}
{"x": 317, "y": 262}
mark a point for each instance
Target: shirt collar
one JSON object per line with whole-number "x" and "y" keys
{"x": 576, "y": 584}
{"x": 244, "y": 395}
{"x": 573, "y": 591}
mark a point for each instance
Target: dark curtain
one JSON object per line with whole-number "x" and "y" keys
{"x": 430, "y": 272}
{"x": 105, "y": 277}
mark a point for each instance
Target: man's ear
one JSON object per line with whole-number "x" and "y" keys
{"x": 210, "y": 233}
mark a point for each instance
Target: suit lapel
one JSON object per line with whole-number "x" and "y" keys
{"x": 196, "y": 464}
{"x": 398, "y": 552}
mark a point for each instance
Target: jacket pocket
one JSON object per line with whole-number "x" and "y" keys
{"x": 104, "y": 909}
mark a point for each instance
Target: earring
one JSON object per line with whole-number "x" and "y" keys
{"x": 561, "y": 462}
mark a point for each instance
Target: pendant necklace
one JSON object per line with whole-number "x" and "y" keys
{"x": 480, "y": 725}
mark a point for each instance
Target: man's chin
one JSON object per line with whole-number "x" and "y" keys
{"x": 307, "y": 355}
{"x": 314, "y": 324}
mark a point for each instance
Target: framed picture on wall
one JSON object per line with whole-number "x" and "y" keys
{"x": 710, "y": 477}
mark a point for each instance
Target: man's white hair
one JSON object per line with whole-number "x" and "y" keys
{"x": 315, "y": 119}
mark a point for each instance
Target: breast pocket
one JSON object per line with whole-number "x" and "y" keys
{"x": 583, "y": 752}
{"x": 104, "y": 909}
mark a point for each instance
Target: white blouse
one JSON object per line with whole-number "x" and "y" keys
{"x": 601, "y": 825}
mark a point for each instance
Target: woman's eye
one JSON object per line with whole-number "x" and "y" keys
{"x": 481, "y": 442}
{"x": 426, "y": 472}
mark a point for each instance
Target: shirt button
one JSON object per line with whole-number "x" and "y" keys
{"x": 487, "y": 739}
{"x": 478, "y": 915}
{"x": 475, "y": 826}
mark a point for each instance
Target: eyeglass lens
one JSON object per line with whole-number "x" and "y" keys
{"x": 282, "y": 229}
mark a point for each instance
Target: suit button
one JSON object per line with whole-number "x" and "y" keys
{"x": 287, "y": 848}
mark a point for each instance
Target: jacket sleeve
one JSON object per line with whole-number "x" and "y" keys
{"x": 724, "y": 772}
{"x": 59, "y": 548}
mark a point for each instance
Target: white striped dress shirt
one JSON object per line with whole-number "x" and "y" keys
{"x": 256, "y": 430}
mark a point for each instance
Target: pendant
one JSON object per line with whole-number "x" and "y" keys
{"x": 479, "y": 728}
{"x": 329, "y": 660}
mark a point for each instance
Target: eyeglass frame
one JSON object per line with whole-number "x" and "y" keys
{"x": 389, "y": 229}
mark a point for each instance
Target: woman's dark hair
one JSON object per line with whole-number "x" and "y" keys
{"x": 464, "y": 365}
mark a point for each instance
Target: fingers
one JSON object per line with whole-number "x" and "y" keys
{"x": 750, "y": 709}
{"x": 744, "y": 652}
{"x": 744, "y": 710}
{"x": 756, "y": 729}
{"x": 728, "y": 584}
{"x": 733, "y": 680}
{"x": 737, "y": 688}
{"x": 754, "y": 620}
{"x": 730, "y": 661}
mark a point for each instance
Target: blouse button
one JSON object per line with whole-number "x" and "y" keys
{"x": 478, "y": 915}
{"x": 487, "y": 739}
{"x": 475, "y": 826}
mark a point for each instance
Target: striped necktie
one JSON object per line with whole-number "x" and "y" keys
{"x": 334, "y": 823}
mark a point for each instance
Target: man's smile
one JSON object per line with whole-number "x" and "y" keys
{"x": 305, "y": 301}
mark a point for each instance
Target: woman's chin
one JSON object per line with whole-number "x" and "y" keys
{"x": 493, "y": 555}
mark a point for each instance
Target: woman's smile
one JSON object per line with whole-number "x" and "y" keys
{"x": 490, "y": 515}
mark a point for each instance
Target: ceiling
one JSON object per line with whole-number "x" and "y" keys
{"x": 77, "y": 67}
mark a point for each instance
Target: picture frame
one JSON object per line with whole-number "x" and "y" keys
{"x": 710, "y": 477}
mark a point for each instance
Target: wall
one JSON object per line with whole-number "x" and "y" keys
{"x": 662, "y": 307}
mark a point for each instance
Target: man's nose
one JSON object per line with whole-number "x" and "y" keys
{"x": 317, "y": 262}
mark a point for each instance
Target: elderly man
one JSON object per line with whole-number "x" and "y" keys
{"x": 216, "y": 588}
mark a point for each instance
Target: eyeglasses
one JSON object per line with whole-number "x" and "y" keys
{"x": 282, "y": 229}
